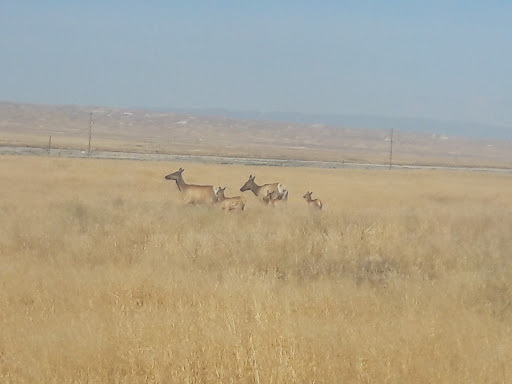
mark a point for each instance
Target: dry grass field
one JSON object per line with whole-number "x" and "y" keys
{"x": 106, "y": 277}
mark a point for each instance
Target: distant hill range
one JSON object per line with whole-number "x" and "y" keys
{"x": 423, "y": 125}
{"x": 275, "y": 135}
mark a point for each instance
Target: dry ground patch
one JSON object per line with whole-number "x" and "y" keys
{"x": 106, "y": 277}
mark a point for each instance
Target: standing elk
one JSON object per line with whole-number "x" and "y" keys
{"x": 193, "y": 194}
{"x": 261, "y": 191}
{"x": 229, "y": 203}
{"x": 316, "y": 203}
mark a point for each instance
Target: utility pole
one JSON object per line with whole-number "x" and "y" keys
{"x": 90, "y": 135}
{"x": 50, "y": 145}
{"x": 391, "y": 150}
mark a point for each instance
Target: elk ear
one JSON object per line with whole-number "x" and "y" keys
{"x": 181, "y": 170}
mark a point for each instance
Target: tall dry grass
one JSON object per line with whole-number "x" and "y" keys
{"x": 105, "y": 277}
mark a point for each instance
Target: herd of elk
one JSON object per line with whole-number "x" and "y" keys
{"x": 208, "y": 194}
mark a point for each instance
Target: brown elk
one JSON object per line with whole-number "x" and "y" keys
{"x": 193, "y": 194}
{"x": 261, "y": 191}
{"x": 316, "y": 203}
{"x": 229, "y": 203}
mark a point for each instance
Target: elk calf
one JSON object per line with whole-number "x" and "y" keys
{"x": 271, "y": 200}
{"x": 316, "y": 203}
{"x": 229, "y": 203}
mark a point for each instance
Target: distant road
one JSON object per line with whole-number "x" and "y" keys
{"x": 75, "y": 153}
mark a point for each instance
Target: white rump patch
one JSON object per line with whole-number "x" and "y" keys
{"x": 283, "y": 192}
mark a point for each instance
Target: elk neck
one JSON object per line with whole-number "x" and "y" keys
{"x": 255, "y": 188}
{"x": 181, "y": 183}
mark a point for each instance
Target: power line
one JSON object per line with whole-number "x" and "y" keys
{"x": 391, "y": 150}
{"x": 90, "y": 135}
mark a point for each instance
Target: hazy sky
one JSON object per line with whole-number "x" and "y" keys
{"x": 434, "y": 59}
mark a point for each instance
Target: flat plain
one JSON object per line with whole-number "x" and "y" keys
{"x": 107, "y": 277}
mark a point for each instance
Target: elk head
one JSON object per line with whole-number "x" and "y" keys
{"x": 270, "y": 195}
{"x": 175, "y": 175}
{"x": 248, "y": 184}
{"x": 220, "y": 193}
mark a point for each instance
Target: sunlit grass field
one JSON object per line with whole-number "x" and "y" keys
{"x": 107, "y": 277}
